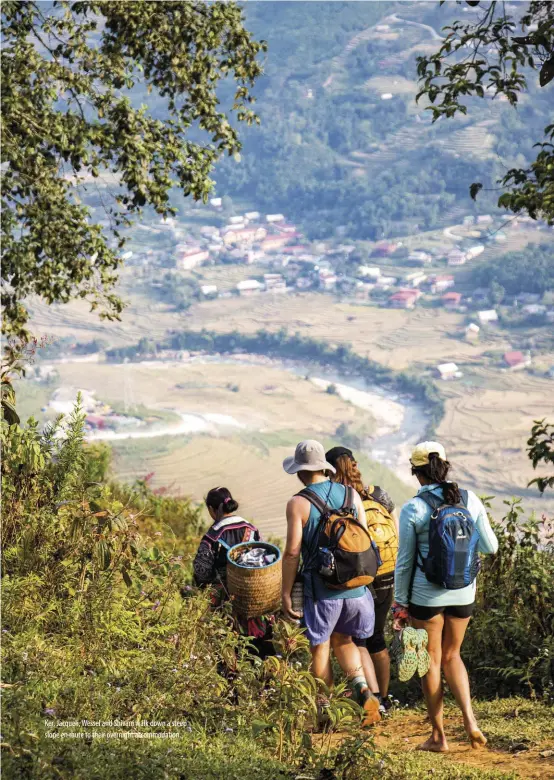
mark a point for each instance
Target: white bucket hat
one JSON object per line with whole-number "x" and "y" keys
{"x": 308, "y": 456}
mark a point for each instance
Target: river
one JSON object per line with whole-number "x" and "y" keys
{"x": 401, "y": 421}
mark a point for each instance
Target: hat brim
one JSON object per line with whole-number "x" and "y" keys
{"x": 292, "y": 467}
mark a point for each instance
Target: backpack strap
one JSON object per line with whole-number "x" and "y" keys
{"x": 314, "y": 499}
{"x": 431, "y": 499}
{"x": 349, "y": 501}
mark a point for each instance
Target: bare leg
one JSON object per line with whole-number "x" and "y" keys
{"x": 348, "y": 656}
{"x": 369, "y": 670}
{"x": 321, "y": 663}
{"x": 432, "y": 684}
{"x": 456, "y": 675}
{"x": 381, "y": 664}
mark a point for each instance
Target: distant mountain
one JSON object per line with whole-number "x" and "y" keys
{"x": 343, "y": 145}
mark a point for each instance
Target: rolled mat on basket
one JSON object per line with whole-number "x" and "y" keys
{"x": 255, "y": 591}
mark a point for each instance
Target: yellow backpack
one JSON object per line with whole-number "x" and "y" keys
{"x": 382, "y": 530}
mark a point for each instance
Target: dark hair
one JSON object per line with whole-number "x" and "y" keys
{"x": 437, "y": 471}
{"x": 221, "y": 501}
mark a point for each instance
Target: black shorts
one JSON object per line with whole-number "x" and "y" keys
{"x": 426, "y": 613}
{"x": 382, "y": 600}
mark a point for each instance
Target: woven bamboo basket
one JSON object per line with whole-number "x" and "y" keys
{"x": 255, "y": 591}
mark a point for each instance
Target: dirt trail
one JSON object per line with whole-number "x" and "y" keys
{"x": 406, "y": 732}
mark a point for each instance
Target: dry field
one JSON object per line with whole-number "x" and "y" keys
{"x": 487, "y": 420}
{"x": 276, "y": 407}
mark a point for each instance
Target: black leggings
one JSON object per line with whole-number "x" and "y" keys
{"x": 382, "y": 600}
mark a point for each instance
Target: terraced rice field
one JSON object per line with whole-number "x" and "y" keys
{"x": 274, "y": 407}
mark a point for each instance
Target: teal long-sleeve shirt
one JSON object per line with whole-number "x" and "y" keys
{"x": 414, "y": 535}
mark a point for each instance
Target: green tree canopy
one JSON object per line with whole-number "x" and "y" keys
{"x": 68, "y": 117}
{"x": 485, "y": 57}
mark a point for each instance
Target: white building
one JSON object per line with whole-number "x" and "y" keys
{"x": 386, "y": 96}
{"x": 370, "y": 271}
{"x": 489, "y": 315}
{"x": 475, "y": 251}
{"x": 448, "y": 371}
{"x": 456, "y": 257}
{"x": 209, "y": 290}
{"x": 386, "y": 281}
{"x": 190, "y": 257}
{"x": 472, "y": 331}
{"x": 249, "y": 287}
{"x": 252, "y": 216}
{"x": 274, "y": 218}
{"x": 236, "y": 221}
{"x": 419, "y": 256}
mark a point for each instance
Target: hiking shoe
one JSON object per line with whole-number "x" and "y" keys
{"x": 407, "y": 665}
{"x": 322, "y": 718}
{"x": 370, "y": 705}
{"x": 423, "y": 658}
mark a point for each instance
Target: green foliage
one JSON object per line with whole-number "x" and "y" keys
{"x": 68, "y": 117}
{"x": 100, "y": 624}
{"x": 510, "y": 641}
{"x": 453, "y": 75}
{"x": 530, "y": 270}
{"x": 540, "y": 448}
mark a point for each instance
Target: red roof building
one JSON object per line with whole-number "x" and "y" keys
{"x": 516, "y": 359}
{"x": 451, "y": 299}
{"x": 404, "y": 299}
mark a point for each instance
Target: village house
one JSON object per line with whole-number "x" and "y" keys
{"x": 252, "y": 216}
{"x": 516, "y": 360}
{"x": 249, "y": 287}
{"x": 244, "y": 236}
{"x": 327, "y": 279}
{"x": 440, "y": 283}
{"x": 404, "y": 299}
{"x": 415, "y": 278}
{"x": 447, "y": 371}
{"x": 275, "y": 283}
{"x": 274, "y": 243}
{"x": 456, "y": 257}
{"x": 475, "y": 251}
{"x": 534, "y": 310}
{"x": 488, "y": 316}
{"x": 209, "y": 290}
{"x": 451, "y": 300}
{"x": 274, "y": 218}
{"x": 419, "y": 257}
{"x": 236, "y": 220}
{"x": 370, "y": 271}
{"x": 384, "y": 249}
{"x": 385, "y": 282}
{"x": 189, "y": 257}
{"x": 472, "y": 332}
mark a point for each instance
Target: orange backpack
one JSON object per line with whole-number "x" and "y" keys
{"x": 346, "y": 555}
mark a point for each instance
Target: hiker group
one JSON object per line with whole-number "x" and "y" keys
{"x": 349, "y": 563}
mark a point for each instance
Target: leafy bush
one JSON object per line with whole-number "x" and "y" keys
{"x": 101, "y": 625}
{"x": 509, "y": 646}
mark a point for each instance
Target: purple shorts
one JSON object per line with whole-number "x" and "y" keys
{"x": 352, "y": 617}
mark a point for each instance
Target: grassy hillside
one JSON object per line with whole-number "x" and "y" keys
{"x": 113, "y": 666}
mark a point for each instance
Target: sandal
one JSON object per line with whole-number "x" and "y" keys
{"x": 408, "y": 664}
{"x": 423, "y": 657}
